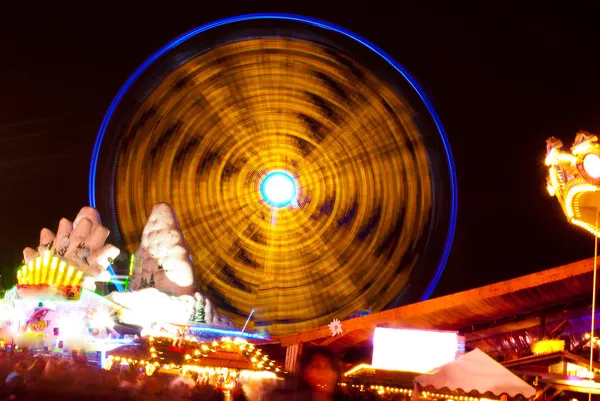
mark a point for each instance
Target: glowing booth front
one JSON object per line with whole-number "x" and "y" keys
{"x": 222, "y": 363}
{"x": 399, "y": 355}
{"x": 58, "y": 318}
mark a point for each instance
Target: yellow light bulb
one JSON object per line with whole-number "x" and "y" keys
{"x": 53, "y": 264}
{"x": 70, "y": 271}
{"x": 38, "y": 269}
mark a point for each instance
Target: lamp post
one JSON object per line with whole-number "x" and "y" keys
{"x": 574, "y": 179}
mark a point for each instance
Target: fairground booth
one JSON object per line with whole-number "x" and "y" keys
{"x": 49, "y": 310}
{"x": 537, "y": 326}
{"x": 221, "y": 363}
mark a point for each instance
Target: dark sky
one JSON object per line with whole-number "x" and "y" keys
{"x": 502, "y": 80}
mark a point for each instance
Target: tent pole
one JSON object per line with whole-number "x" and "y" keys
{"x": 592, "y": 333}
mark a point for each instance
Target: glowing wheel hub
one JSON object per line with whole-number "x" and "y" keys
{"x": 278, "y": 189}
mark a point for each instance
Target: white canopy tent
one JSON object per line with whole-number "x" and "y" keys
{"x": 476, "y": 371}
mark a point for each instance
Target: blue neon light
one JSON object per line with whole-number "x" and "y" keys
{"x": 114, "y": 280}
{"x": 230, "y": 333}
{"x": 321, "y": 24}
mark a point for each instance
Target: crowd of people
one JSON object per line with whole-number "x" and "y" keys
{"x": 27, "y": 377}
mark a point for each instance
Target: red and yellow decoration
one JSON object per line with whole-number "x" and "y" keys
{"x": 48, "y": 269}
{"x": 62, "y": 292}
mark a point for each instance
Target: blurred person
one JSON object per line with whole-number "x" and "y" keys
{"x": 320, "y": 371}
{"x": 182, "y": 387}
{"x": 237, "y": 393}
{"x": 50, "y": 370}
{"x": 15, "y": 383}
{"x": 317, "y": 380}
{"x": 218, "y": 395}
{"x": 128, "y": 385}
{"x": 74, "y": 360}
{"x": 35, "y": 371}
{"x": 150, "y": 385}
{"x": 203, "y": 391}
{"x": 64, "y": 370}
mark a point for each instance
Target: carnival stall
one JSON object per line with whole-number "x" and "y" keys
{"x": 400, "y": 355}
{"x": 222, "y": 363}
{"x": 55, "y": 306}
{"x": 49, "y": 309}
{"x": 472, "y": 375}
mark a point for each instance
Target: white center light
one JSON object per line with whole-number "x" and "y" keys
{"x": 278, "y": 188}
{"x": 591, "y": 165}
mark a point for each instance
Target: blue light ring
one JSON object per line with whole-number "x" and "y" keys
{"x": 321, "y": 24}
{"x": 226, "y": 332}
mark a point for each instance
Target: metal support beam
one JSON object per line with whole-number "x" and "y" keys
{"x": 542, "y": 325}
{"x": 539, "y": 395}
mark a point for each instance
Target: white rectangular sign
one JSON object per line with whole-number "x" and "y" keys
{"x": 413, "y": 350}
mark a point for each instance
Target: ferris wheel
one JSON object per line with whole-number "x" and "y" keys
{"x": 309, "y": 172}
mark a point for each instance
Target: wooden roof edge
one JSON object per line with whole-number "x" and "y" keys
{"x": 501, "y": 288}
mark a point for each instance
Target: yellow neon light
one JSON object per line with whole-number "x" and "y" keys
{"x": 358, "y": 368}
{"x": 575, "y": 191}
{"x": 69, "y": 275}
{"x": 554, "y": 158}
{"x": 554, "y": 177}
{"x": 550, "y": 158}
{"x": 131, "y": 264}
{"x": 53, "y": 265}
{"x": 61, "y": 272}
{"x": 38, "y": 270}
{"x": 548, "y": 346}
{"x": 77, "y": 278}
{"x": 583, "y": 147}
{"x": 585, "y": 226}
{"x": 42, "y": 270}
{"x": 30, "y": 272}
{"x": 45, "y": 262}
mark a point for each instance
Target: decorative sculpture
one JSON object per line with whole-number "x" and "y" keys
{"x": 163, "y": 259}
{"x": 335, "y": 327}
{"x": 163, "y": 281}
{"x": 77, "y": 251}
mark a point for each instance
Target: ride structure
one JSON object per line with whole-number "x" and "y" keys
{"x": 310, "y": 172}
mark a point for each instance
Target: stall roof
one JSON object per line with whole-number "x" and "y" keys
{"x": 476, "y": 371}
{"x": 369, "y": 375}
{"x": 534, "y": 292}
{"x": 225, "y": 353}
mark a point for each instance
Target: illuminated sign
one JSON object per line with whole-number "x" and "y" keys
{"x": 413, "y": 350}
{"x": 548, "y": 346}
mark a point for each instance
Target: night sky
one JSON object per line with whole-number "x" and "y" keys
{"x": 502, "y": 82}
